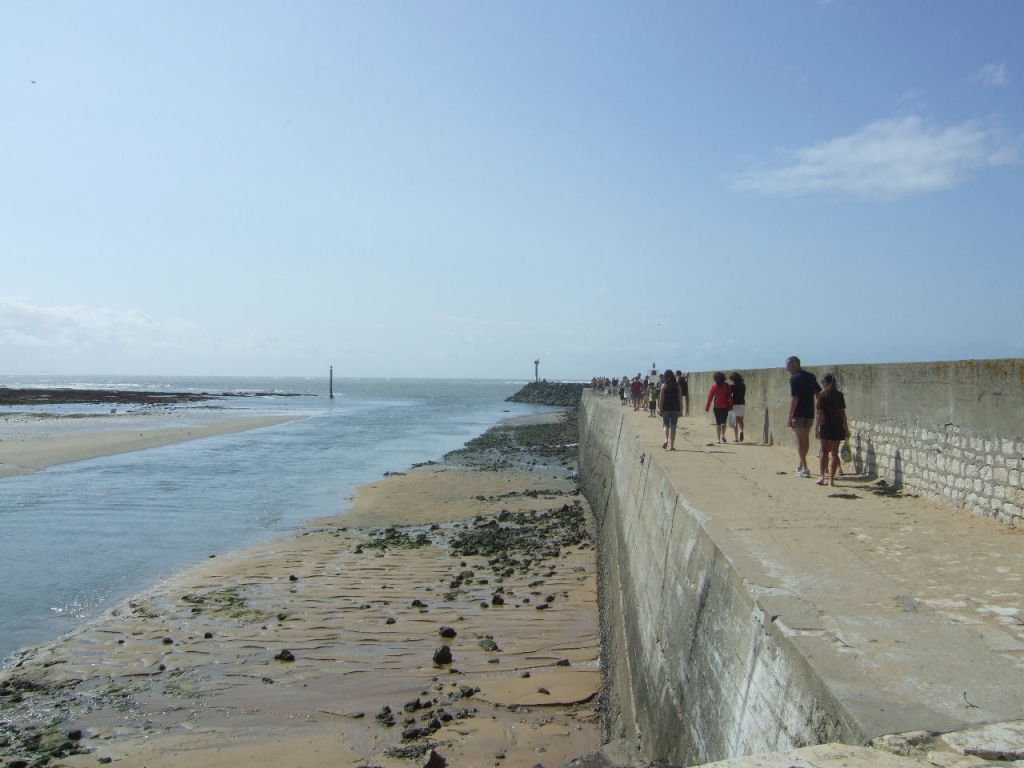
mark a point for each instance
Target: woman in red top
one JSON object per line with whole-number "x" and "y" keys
{"x": 721, "y": 395}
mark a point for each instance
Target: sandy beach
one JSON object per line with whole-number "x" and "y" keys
{"x": 30, "y": 442}
{"x": 327, "y": 647}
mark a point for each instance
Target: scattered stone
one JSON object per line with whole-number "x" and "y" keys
{"x": 293, "y": 577}
{"x": 385, "y": 717}
{"x": 447, "y": 632}
{"x": 285, "y": 655}
{"x": 488, "y": 644}
{"x": 410, "y": 752}
{"x": 562, "y": 663}
{"x": 390, "y": 620}
{"x": 545, "y": 691}
{"x": 443, "y": 655}
{"x": 412, "y": 706}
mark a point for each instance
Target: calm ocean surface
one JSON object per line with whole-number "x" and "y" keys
{"x": 77, "y": 538}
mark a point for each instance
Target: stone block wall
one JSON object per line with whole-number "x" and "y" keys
{"x": 949, "y": 431}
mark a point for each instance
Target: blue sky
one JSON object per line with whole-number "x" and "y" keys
{"x": 457, "y": 188}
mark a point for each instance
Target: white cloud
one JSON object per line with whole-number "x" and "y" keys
{"x": 992, "y": 75}
{"x": 76, "y": 327}
{"x": 83, "y": 339}
{"x": 888, "y": 159}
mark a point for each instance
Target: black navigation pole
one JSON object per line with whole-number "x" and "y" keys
{"x": 536, "y": 370}
{"x": 331, "y": 384}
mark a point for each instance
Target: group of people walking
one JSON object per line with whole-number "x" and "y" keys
{"x": 666, "y": 393}
{"x": 821, "y": 407}
{"x": 812, "y": 406}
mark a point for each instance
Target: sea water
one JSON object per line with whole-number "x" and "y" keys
{"x": 76, "y": 539}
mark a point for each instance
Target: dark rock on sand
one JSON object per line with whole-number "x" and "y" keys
{"x": 443, "y": 655}
{"x": 412, "y": 706}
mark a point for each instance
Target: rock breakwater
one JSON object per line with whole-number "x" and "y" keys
{"x": 559, "y": 394}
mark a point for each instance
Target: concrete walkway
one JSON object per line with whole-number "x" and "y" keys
{"x": 921, "y": 603}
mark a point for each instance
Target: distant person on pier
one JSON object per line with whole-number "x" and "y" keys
{"x": 653, "y": 388}
{"x": 739, "y": 401}
{"x": 803, "y": 388}
{"x": 684, "y": 389}
{"x": 830, "y": 427}
{"x": 721, "y": 395}
{"x": 636, "y": 391}
{"x": 670, "y": 404}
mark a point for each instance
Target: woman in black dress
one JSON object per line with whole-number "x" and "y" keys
{"x": 830, "y": 426}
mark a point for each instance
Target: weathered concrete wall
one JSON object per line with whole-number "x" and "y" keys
{"x": 694, "y": 670}
{"x": 949, "y": 431}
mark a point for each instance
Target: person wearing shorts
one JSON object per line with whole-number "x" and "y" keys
{"x": 670, "y": 403}
{"x": 721, "y": 395}
{"x": 739, "y": 401}
{"x": 831, "y": 427}
{"x": 804, "y": 389}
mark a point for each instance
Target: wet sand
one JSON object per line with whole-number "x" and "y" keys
{"x": 287, "y": 653}
{"x": 30, "y": 442}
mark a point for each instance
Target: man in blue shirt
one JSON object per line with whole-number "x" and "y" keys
{"x": 803, "y": 387}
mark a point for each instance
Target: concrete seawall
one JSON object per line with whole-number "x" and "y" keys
{"x": 743, "y": 612}
{"x": 678, "y": 620}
